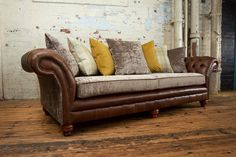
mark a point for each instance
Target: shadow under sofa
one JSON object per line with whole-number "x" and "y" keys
{"x": 71, "y": 100}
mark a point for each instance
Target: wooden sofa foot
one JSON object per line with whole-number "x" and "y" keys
{"x": 154, "y": 113}
{"x": 203, "y": 103}
{"x": 67, "y": 130}
{"x": 45, "y": 112}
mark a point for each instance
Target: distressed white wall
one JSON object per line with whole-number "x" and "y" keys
{"x": 24, "y": 23}
{"x": 1, "y": 87}
{"x": 205, "y": 28}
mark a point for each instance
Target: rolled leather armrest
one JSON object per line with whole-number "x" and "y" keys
{"x": 52, "y": 70}
{"x": 202, "y": 64}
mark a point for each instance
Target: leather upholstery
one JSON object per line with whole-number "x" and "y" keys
{"x": 49, "y": 65}
{"x": 127, "y": 98}
{"x": 204, "y": 65}
{"x": 58, "y": 90}
{"x": 99, "y": 113}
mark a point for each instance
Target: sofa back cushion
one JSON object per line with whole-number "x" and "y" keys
{"x": 83, "y": 57}
{"x": 151, "y": 57}
{"x": 176, "y": 57}
{"x": 102, "y": 56}
{"x": 128, "y": 57}
{"x": 161, "y": 53}
{"x": 53, "y": 43}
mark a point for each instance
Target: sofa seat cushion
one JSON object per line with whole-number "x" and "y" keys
{"x": 89, "y": 86}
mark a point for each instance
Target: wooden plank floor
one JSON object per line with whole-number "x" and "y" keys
{"x": 186, "y": 130}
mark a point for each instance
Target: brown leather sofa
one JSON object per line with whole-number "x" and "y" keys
{"x": 58, "y": 89}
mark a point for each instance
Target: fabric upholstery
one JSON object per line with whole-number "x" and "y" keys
{"x": 161, "y": 54}
{"x": 150, "y": 56}
{"x": 83, "y": 56}
{"x": 103, "y": 57}
{"x": 54, "y": 44}
{"x": 58, "y": 91}
{"x": 103, "y": 85}
{"x": 128, "y": 57}
{"x": 176, "y": 57}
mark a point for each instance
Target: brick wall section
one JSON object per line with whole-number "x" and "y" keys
{"x": 228, "y": 44}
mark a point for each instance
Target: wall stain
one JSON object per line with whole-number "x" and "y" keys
{"x": 13, "y": 30}
{"x": 96, "y": 32}
{"x": 65, "y": 30}
{"x": 77, "y": 16}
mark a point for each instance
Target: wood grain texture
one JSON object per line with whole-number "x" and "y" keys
{"x": 186, "y": 130}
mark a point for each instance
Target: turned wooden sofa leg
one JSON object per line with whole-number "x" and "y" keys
{"x": 203, "y": 103}
{"x": 67, "y": 129}
{"x": 45, "y": 111}
{"x": 154, "y": 113}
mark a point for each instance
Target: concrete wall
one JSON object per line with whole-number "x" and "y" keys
{"x": 24, "y": 23}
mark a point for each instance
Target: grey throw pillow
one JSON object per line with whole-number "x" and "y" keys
{"x": 176, "y": 57}
{"x": 128, "y": 57}
{"x": 53, "y": 43}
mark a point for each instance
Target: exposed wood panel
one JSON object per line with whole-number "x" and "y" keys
{"x": 89, "y": 2}
{"x": 179, "y": 131}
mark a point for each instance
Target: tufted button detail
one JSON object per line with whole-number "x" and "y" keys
{"x": 202, "y": 65}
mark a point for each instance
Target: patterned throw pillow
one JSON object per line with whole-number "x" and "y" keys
{"x": 83, "y": 57}
{"x": 176, "y": 57}
{"x": 161, "y": 53}
{"x": 128, "y": 57}
{"x": 53, "y": 43}
{"x": 150, "y": 56}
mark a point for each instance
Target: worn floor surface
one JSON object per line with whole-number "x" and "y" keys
{"x": 186, "y": 130}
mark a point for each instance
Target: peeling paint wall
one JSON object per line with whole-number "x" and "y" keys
{"x": 1, "y": 87}
{"x": 205, "y": 28}
{"x": 26, "y": 21}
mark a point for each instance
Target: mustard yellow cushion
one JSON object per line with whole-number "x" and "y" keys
{"x": 150, "y": 56}
{"x": 102, "y": 57}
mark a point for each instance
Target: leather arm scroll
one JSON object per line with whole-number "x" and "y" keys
{"x": 49, "y": 65}
{"x": 204, "y": 65}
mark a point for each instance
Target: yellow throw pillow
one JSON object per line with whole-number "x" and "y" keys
{"x": 150, "y": 56}
{"x": 102, "y": 57}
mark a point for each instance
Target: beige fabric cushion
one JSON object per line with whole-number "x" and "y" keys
{"x": 176, "y": 57}
{"x": 128, "y": 57}
{"x": 53, "y": 43}
{"x": 83, "y": 57}
{"x": 161, "y": 53}
{"x": 103, "y": 85}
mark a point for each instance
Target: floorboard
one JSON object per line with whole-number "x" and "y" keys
{"x": 185, "y": 130}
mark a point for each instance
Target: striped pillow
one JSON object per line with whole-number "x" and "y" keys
{"x": 161, "y": 53}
